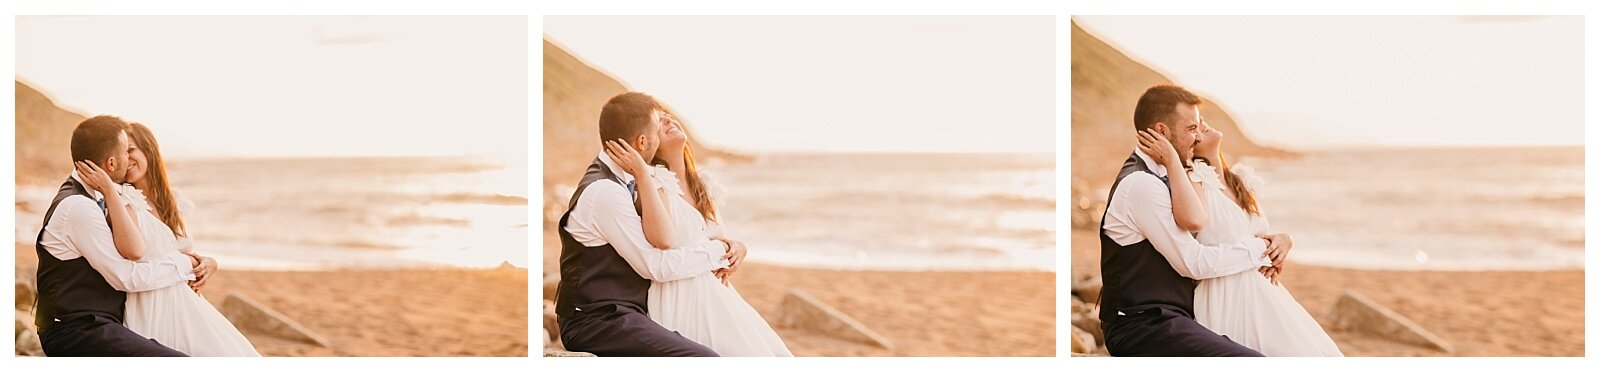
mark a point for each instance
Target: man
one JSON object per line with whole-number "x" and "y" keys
{"x": 606, "y": 262}
{"x": 1149, "y": 265}
{"x": 82, "y": 279}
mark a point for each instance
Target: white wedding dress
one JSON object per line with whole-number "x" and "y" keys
{"x": 701, "y": 308}
{"x": 1246, "y": 306}
{"x": 176, "y": 316}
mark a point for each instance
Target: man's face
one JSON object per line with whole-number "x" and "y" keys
{"x": 650, "y": 141}
{"x": 117, "y": 167}
{"x": 1184, "y": 130}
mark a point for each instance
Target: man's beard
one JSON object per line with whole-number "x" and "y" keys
{"x": 651, "y": 159}
{"x": 1186, "y": 153}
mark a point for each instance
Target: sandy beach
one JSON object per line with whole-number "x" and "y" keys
{"x": 995, "y": 313}
{"x": 413, "y": 312}
{"x": 1481, "y": 313}
{"x": 1000, "y": 312}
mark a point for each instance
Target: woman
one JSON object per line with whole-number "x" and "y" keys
{"x": 1220, "y": 206}
{"x": 678, "y": 210}
{"x": 148, "y": 225}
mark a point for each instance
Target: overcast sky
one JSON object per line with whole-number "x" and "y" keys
{"x": 837, "y": 83}
{"x": 1355, "y": 81}
{"x": 292, "y": 85}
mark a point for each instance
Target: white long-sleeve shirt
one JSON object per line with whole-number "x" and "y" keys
{"x": 79, "y": 229}
{"x": 604, "y": 214}
{"x": 1142, "y": 209}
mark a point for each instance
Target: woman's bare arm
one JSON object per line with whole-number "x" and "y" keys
{"x": 124, "y": 228}
{"x": 657, "y": 223}
{"x": 1199, "y": 208}
{"x": 1186, "y": 207}
{"x": 653, "y": 213}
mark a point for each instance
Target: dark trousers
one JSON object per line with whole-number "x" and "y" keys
{"x": 98, "y": 336}
{"x": 619, "y": 330}
{"x": 1161, "y": 332}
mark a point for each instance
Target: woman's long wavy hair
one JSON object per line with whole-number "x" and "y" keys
{"x": 691, "y": 174}
{"x": 160, "y": 190}
{"x": 1247, "y": 198}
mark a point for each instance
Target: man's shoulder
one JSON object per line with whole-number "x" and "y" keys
{"x": 1141, "y": 180}
{"x": 601, "y": 190}
{"x": 603, "y": 186}
{"x": 74, "y": 210}
{"x": 1143, "y": 184}
{"x": 75, "y": 203}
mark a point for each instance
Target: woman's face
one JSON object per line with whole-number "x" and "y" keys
{"x": 1209, "y": 140}
{"x": 672, "y": 136}
{"x": 138, "y": 165}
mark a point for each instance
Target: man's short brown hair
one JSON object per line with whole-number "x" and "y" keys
{"x": 95, "y": 139}
{"x": 1159, "y": 104}
{"x": 627, "y": 116}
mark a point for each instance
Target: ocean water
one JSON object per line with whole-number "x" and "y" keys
{"x": 1430, "y": 209}
{"x": 893, "y": 211}
{"x": 309, "y": 214}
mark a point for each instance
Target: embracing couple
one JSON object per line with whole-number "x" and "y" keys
{"x": 118, "y": 274}
{"x": 644, "y": 262}
{"x": 1189, "y": 265}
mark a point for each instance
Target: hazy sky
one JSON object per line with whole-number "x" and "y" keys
{"x": 1328, "y": 81}
{"x": 292, "y": 85}
{"x": 837, "y": 83}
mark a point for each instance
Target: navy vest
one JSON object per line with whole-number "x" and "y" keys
{"x": 592, "y": 277}
{"x": 71, "y": 288}
{"x": 1136, "y": 277}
